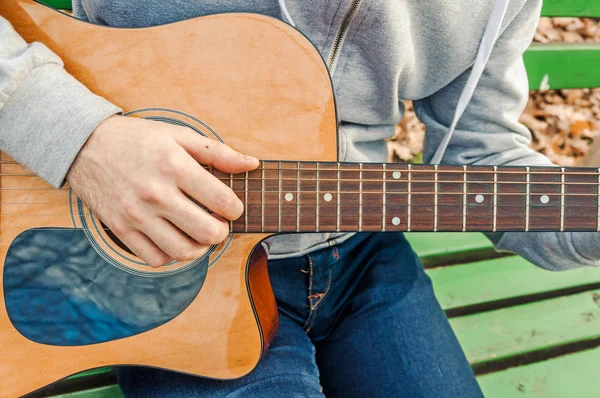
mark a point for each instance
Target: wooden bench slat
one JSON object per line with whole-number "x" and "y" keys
{"x": 113, "y": 391}
{"x": 574, "y": 375}
{"x": 435, "y": 248}
{"x": 567, "y": 65}
{"x": 570, "y": 375}
{"x": 530, "y": 327}
{"x": 59, "y": 4}
{"x": 88, "y": 373}
{"x": 571, "y": 8}
{"x": 499, "y": 279}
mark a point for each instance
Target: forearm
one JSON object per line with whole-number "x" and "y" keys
{"x": 489, "y": 133}
{"x": 46, "y": 115}
{"x": 549, "y": 250}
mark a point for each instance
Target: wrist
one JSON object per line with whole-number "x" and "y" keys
{"x": 85, "y": 154}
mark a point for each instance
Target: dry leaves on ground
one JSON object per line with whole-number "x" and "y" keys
{"x": 563, "y": 123}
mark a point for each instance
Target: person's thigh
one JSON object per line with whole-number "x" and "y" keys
{"x": 288, "y": 369}
{"x": 392, "y": 339}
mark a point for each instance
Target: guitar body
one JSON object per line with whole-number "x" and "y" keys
{"x": 249, "y": 80}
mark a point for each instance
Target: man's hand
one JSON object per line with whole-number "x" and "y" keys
{"x": 136, "y": 176}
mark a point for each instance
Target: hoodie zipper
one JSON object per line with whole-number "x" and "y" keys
{"x": 341, "y": 35}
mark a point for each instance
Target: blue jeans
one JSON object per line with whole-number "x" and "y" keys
{"x": 356, "y": 320}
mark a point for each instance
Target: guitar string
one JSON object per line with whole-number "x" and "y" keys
{"x": 388, "y": 194}
{"x": 396, "y": 180}
{"x": 388, "y": 181}
{"x": 389, "y": 172}
{"x": 389, "y": 169}
{"x": 414, "y": 167}
{"x": 325, "y": 228}
{"x": 366, "y": 209}
{"x": 292, "y": 226}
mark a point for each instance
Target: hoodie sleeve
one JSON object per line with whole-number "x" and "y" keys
{"x": 46, "y": 115}
{"x": 489, "y": 133}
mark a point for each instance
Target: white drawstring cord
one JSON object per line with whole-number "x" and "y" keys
{"x": 492, "y": 30}
{"x": 490, "y": 35}
{"x": 285, "y": 12}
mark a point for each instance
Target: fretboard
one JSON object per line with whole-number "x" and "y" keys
{"x": 353, "y": 197}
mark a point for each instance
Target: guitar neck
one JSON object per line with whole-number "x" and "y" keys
{"x": 282, "y": 196}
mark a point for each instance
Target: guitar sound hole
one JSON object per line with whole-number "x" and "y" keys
{"x": 115, "y": 251}
{"x": 115, "y": 239}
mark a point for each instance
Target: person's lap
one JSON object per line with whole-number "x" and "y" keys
{"x": 287, "y": 369}
{"x": 359, "y": 319}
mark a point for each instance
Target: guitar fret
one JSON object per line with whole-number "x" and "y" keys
{"x": 262, "y": 198}
{"x": 543, "y": 208}
{"x": 337, "y": 228}
{"x": 409, "y": 198}
{"x": 435, "y": 198}
{"x": 288, "y": 197}
{"x": 297, "y": 196}
{"x": 527, "y": 200}
{"x": 383, "y": 201}
{"x": 562, "y": 199}
{"x": 495, "y": 198}
{"x": 581, "y": 193}
{"x": 360, "y": 198}
{"x": 317, "y": 200}
{"x": 464, "y": 206}
{"x": 246, "y": 203}
{"x": 279, "y": 195}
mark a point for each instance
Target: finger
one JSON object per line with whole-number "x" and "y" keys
{"x": 172, "y": 241}
{"x": 208, "y": 190}
{"x": 204, "y": 228}
{"x": 214, "y": 153}
{"x": 144, "y": 248}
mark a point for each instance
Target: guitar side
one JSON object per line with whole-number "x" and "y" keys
{"x": 242, "y": 78}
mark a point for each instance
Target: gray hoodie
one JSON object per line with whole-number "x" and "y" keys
{"x": 379, "y": 53}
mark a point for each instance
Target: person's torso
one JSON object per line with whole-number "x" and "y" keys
{"x": 381, "y": 51}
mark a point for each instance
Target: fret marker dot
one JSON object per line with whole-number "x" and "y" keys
{"x": 289, "y": 197}
{"x": 396, "y": 220}
{"x": 479, "y": 198}
{"x": 396, "y": 175}
{"x": 544, "y": 199}
{"x": 327, "y": 197}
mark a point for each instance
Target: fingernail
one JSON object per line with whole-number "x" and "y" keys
{"x": 249, "y": 158}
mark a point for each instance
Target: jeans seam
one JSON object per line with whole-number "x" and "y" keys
{"x": 322, "y": 295}
{"x": 314, "y": 309}
{"x": 313, "y": 316}
{"x": 310, "y": 279}
{"x": 309, "y": 318}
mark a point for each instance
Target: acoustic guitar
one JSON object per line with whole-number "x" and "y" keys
{"x": 73, "y": 297}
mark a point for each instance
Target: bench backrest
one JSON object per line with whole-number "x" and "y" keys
{"x": 565, "y": 65}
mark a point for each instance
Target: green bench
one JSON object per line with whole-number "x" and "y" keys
{"x": 527, "y": 332}
{"x": 565, "y": 65}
